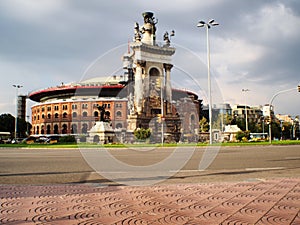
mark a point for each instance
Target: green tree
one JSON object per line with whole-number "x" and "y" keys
{"x": 203, "y": 125}
{"x": 7, "y": 123}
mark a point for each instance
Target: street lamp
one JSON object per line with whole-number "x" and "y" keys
{"x": 246, "y": 112}
{"x": 16, "y": 120}
{"x": 270, "y": 105}
{"x": 208, "y": 25}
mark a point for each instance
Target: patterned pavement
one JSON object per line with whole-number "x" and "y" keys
{"x": 257, "y": 202}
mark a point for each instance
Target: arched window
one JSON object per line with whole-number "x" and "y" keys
{"x": 84, "y": 114}
{"x": 84, "y": 128}
{"x": 74, "y": 114}
{"x": 55, "y": 129}
{"x": 119, "y": 125}
{"x": 37, "y": 130}
{"x": 49, "y": 116}
{"x": 119, "y": 114}
{"x": 74, "y": 129}
{"x": 64, "y": 129}
{"x": 56, "y": 115}
{"x": 96, "y": 114}
{"x": 192, "y": 122}
{"x": 48, "y": 129}
{"x": 65, "y": 115}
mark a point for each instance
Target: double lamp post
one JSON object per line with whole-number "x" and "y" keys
{"x": 208, "y": 25}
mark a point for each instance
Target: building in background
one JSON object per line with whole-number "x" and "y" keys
{"x": 22, "y": 107}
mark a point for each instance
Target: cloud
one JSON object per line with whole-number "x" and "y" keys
{"x": 256, "y": 45}
{"x": 31, "y": 11}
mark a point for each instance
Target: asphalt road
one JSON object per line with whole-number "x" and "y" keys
{"x": 148, "y": 166}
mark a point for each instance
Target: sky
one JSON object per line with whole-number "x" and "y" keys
{"x": 256, "y": 46}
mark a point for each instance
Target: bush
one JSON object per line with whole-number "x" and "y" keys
{"x": 242, "y": 136}
{"x": 142, "y": 134}
{"x": 67, "y": 139}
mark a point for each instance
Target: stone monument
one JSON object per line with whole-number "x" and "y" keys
{"x": 102, "y": 132}
{"x": 149, "y": 89}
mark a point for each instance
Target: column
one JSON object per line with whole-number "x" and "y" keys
{"x": 168, "y": 87}
{"x": 138, "y": 87}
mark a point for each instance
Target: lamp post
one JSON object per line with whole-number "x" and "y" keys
{"x": 270, "y": 105}
{"x": 208, "y": 25}
{"x": 16, "y": 120}
{"x": 246, "y": 111}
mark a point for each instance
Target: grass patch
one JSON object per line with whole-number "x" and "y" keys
{"x": 119, "y": 145}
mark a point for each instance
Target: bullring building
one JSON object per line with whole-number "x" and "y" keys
{"x": 142, "y": 97}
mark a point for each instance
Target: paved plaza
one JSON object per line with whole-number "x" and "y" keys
{"x": 275, "y": 201}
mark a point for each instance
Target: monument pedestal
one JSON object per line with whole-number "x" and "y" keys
{"x": 101, "y": 133}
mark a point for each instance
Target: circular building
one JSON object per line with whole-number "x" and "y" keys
{"x": 73, "y": 108}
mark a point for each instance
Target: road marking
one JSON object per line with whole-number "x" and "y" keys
{"x": 291, "y": 158}
{"x": 266, "y": 168}
{"x": 185, "y": 171}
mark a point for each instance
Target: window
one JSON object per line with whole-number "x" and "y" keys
{"x": 84, "y": 114}
{"x": 119, "y": 125}
{"x": 56, "y": 107}
{"x": 65, "y": 107}
{"x": 49, "y": 116}
{"x": 49, "y": 108}
{"x": 84, "y": 128}
{"x": 65, "y": 115}
{"x": 119, "y": 114}
{"x": 64, "y": 129}
{"x": 48, "y": 129}
{"x": 74, "y": 129}
{"x": 56, "y": 115}
{"x": 43, "y": 109}
{"x": 74, "y": 106}
{"x": 96, "y": 114}
{"x": 43, "y": 116}
{"x": 85, "y": 106}
{"x": 55, "y": 129}
{"x": 74, "y": 114}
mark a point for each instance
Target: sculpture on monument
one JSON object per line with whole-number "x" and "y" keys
{"x": 104, "y": 115}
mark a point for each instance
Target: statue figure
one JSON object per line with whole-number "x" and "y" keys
{"x": 137, "y": 32}
{"x": 167, "y": 38}
{"x": 104, "y": 115}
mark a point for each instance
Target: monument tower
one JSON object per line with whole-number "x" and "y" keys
{"x": 149, "y": 82}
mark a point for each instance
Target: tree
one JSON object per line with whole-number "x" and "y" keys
{"x": 7, "y": 123}
{"x": 203, "y": 125}
{"x": 142, "y": 134}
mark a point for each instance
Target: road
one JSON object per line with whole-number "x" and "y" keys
{"x": 147, "y": 166}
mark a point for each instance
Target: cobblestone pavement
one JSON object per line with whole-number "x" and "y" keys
{"x": 256, "y": 202}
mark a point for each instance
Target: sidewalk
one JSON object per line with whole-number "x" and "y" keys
{"x": 258, "y": 202}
